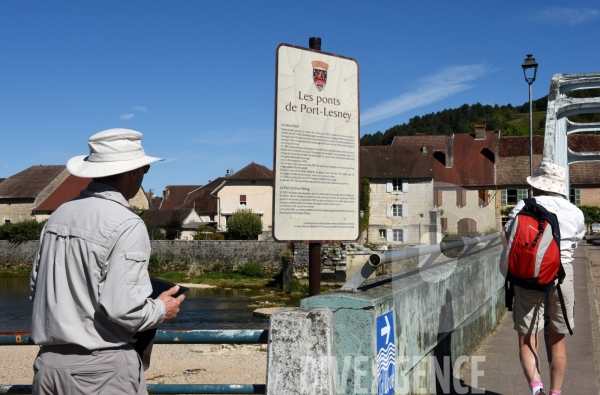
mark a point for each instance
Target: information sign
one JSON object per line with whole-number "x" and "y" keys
{"x": 386, "y": 354}
{"x": 317, "y": 132}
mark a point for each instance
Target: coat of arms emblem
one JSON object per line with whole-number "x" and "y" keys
{"x": 320, "y": 74}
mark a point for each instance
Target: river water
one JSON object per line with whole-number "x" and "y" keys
{"x": 213, "y": 308}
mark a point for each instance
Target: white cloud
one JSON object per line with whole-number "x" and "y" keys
{"x": 125, "y": 117}
{"x": 140, "y": 108}
{"x": 565, "y": 16}
{"x": 431, "y": 89}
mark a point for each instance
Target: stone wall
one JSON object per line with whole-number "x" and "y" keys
{"x": 17, "y": 256}
{"x": 197, "y": 256}
{"x": 200, "y": 256}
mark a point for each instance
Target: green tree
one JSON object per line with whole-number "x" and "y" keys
{"x": 244, "y": 224}
{"x": 207, "y": 233}
{"x": 173, "y": 227}
{"x": 591, "y": 214}
{"x": 22, "y": 231}
{"x": 154, "y": 232}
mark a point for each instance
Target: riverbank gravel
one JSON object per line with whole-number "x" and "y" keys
{"x": 170, "y": 364}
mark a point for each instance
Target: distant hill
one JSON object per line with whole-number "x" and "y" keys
{"x": 511, "y": 120}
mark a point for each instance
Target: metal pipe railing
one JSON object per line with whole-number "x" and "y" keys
{"x": 377, "y": 259}
{"x": 227, "y": 336}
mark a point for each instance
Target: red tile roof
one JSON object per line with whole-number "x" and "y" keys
{"x": 473, "y": 161}
{"x": 437, "y": 143}
{"x": 178, "y": 195}
{"x": 253, "y": 171}
{"x": 395, "y": 162}
{"x": 202, "y": 200}
{"x": 30, "y": 182}
{"x": 67, "y": 190}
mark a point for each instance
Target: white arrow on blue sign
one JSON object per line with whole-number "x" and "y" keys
{"x": 386, "y": 354}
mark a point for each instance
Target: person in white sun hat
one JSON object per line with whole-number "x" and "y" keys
{"x": 550, "y": 191}
{"x": 89, "y": 282}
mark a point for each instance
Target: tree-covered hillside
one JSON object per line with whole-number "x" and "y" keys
{"x": 511, "y": 120}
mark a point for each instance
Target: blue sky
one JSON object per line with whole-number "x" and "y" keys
{"x": 197, "y": 78}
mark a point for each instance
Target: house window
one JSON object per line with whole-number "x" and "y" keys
{"x": 6, "y": 221}
{"x": 511, "y": 197}
{"x": 484, "y": 199}
{"x": 437, "y": 197}
{"x": 461, "y": 197}
{"x": 397, "y": 185}
{"x": 211, "y": 218}
{"x": 575, "y": 196}
{"x": 382, "y": 233}
{"x": 397, "y": 210}
{"x": 397, "y": 235}
{"x": 444, "y": 224}
{"x": 242, "y": 200}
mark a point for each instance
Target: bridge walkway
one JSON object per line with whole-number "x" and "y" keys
{"x": 502, "y": 373}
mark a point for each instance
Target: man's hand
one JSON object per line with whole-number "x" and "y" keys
{"x": 171, "y": 303}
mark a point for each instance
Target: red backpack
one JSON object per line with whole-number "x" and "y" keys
{"x": 533, "y": 254}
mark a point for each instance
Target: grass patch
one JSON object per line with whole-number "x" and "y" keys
{"x": 232, "y": 280}
{"x": 15, "y": 273}
{"x": 302, "y": 287}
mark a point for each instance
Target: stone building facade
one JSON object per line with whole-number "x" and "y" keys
{"x": 401, "y": 215}
{"x": 401, "y": 195}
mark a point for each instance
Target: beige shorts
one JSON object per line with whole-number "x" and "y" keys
{"x": 66, "y": 370}
{"x": 528, "y": 307}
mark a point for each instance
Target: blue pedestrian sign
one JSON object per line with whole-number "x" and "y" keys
{"x": 386, "y": 354}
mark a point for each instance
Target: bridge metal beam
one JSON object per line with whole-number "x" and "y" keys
{"x": 560, "y": 107}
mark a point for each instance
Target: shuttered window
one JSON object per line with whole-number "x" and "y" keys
{"x": 437, "y": 197}
{"x": 242, "y": 200}
{"x": 575, "y": 196}
{"x": 461, "y": 197}
{"x": 444, "y": 224}
{"x": 483, "y": 197}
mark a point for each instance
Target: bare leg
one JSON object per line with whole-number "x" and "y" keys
{"x": 528, "y": 346}
{"x": 558, "y": 367}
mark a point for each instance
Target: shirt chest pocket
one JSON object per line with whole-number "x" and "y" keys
{"x": 137, "y": 267}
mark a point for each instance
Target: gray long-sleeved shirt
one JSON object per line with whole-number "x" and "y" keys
{"x": 89, "y": 282}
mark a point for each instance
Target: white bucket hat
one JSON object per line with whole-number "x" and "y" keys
{"x": 112, "y": 151}
{"x": 550, "y": 178}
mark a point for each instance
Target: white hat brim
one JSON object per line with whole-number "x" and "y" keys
{"x": 548, "y": 186}
{"x": 80, "y": 166}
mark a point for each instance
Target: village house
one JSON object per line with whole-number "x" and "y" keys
{"x": 464, "y": 171}
{"x": 38, "y": 191}
{"x": 401, "y": 195}
{"x": 513, "y": 169}
{"x": 249, "y": 188}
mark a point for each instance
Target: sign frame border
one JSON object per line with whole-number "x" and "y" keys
{"x": 275, "y": 141}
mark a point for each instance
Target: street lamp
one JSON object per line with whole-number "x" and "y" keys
{"x": 530, "y": 67}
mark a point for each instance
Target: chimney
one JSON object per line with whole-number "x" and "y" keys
{"x": 424, "y": 149}
{"x": 166, "y": 193}
{"x": 479, "y": 132}
{"x": 449, "y": 149}
{"x": 227, "y": 173}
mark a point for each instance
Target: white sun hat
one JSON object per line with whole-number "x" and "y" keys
{"x": 550, "y": 178}
{"x": 112, "y": 151}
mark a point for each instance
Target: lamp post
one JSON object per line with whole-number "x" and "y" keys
{"x": 530, "y": 67}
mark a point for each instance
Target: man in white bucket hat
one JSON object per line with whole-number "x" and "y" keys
{"x": 550, "y": 191}
{"x": 89, "y": 282}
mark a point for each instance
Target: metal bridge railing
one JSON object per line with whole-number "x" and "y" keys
{"x": 375, "y": 260}
{"x": 231, "y": 336}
